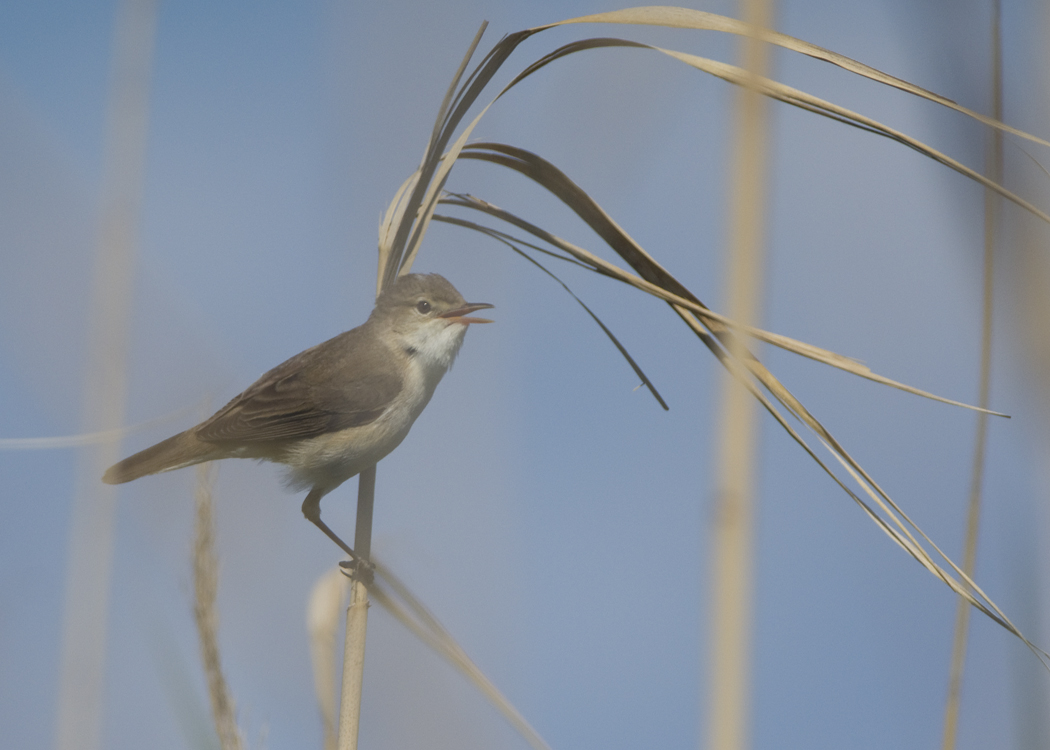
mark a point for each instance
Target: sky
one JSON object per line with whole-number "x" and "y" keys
{"x": 551, "y": 515}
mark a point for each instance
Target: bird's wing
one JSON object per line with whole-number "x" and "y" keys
{"x": 315, "y": 392}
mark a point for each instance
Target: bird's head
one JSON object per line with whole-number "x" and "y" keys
{"x": 426, "y": 317}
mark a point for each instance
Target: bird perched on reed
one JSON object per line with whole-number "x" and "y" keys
{"x": 334, "y": 410}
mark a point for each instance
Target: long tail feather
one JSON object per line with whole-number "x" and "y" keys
{"x": 176, "y": 452}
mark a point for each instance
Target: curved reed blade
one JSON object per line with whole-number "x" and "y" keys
{"x": 789, "y": 95}
{"x": 407, "y": 609}
{"x": 897, "y": 524}
{"x": 794, "y": 97}
{"x": 409, "y": 223}
{"x": 414, "y": 213}
{"x": 550, "y": 177}
{"x": 894, "y": 527}
{"x": 403, "y": 230}
{"x": 512, "y": 243}
{"x": 688, "y": 18}
{"x": 446, "y": 104}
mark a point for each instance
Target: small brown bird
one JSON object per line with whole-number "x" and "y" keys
{"x": 332, "y": 411}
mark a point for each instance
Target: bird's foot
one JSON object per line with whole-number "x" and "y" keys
{"x": 359, "y": 569}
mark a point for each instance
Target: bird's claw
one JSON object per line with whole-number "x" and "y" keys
{"x": 358, "y": 569}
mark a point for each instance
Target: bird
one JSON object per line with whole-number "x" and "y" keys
{"x": 338, "y": 408}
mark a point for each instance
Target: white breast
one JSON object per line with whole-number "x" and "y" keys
{"x": 329, "y": 460}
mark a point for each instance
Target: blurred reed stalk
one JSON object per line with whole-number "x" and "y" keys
{"x": 730, "y": 645}
{"x": 994, "y": 171}
{"x": 84, "y": 629}
{"x": 206, "y": 589}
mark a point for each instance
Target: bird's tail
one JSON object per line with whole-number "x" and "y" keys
{"x": 176, "y": 452}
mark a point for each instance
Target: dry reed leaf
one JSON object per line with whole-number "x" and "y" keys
{"x": 800, "y": 99}
{"x": 895, "y": 528}
{"x": 410, "y": 612}
{"x": 714, "y": 332}
{"x": 899, "y": 526}
{"x": 406, "y": 223}
{"x": 408, "y": 218}
{"x": 605, "y": 268}
{"x": 512, "y": 243}
{"x": 551, "y": 178}
{"x": 688, "y": 18}
{"x": 389, "y": 259}
{"x": 789, "y": 95}
{"x": 404, "y": 228}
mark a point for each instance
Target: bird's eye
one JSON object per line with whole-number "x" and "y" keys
{"x": 423, "y": 306}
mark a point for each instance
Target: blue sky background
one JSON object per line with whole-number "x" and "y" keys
{"x": 554, "y": 518}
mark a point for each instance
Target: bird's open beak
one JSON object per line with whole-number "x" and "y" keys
{"x": 459, "y": 315}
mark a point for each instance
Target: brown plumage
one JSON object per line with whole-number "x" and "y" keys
{"x": 338, "y": 408}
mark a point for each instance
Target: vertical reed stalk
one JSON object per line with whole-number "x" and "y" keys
{"x": 83, "y": 656}
{"x": 994, "y": 171}
{"x": 206, "y": 589}
{"x": 734, "y": 520}
{"x": 357, "y": 617}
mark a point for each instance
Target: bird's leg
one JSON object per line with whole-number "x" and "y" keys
{"x": 312, "y": 511}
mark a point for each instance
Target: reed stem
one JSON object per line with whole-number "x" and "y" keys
{"x": 357, "y": 617}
